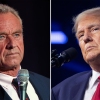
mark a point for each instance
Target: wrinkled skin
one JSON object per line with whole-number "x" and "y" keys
{"x": 11, "y": 44}
{"x": 88, "y": 35}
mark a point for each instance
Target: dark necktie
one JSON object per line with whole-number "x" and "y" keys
{"x": 96, "y": 95}
{"x": 15, "y": 84}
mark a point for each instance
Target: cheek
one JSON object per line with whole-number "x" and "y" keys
{"x": 21, "y": 46}
{"x": 2, "y": 50}
{"x": 96, "y": 38}
{"x": 97, "y": 41}
{"x": 82, "y": 47}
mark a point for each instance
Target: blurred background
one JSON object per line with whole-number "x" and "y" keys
{"x": 62, "y": 38}
{"x": 36, "y": 22}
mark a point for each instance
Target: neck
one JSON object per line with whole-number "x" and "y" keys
{"x": 95, "y": 66}
{"x": 12, "y": 72}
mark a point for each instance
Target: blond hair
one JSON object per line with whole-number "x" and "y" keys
{"x": 93, "y": 12}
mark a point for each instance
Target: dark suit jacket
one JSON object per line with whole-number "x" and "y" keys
{"x": 40, "y": 83}
{"x": 72, "y": 88}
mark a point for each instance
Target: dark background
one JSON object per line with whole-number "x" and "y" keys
{"x": 62, "y": 12}
{"x": 36, "y": 22}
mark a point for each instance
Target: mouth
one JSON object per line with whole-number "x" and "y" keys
{"x": 11, "y": 54}
{"x": 90, "y": 48}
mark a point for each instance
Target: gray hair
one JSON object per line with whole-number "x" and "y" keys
{"x": 6, "y": 9}
{"x": 93, "y": 12}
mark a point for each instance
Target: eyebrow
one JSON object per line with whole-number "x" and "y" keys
{"x": 3, "y": 33}
{"x": 93, "y": 26}
{"x": 18, "y": 31}
{"x": 89, "y": 27}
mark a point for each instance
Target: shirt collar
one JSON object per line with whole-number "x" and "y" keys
{"x": 94, "y": 77}
{"x": 5, "y": 80}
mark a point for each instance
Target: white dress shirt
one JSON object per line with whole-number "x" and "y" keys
{"x": 5, "y": 82}
{"x": 91, "y": 88}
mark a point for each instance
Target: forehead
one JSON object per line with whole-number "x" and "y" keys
{"x": 8, "y": 20}
{"x": 87, "y": 21}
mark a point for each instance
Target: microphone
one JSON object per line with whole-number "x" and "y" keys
{"x": 64, "y": 57}
{"x": 22, "y": 78}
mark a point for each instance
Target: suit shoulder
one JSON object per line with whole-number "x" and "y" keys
{"x": 38, "y": 76}
{"x": 74, "y": 79}
{"x": 41, "y": 85}
{"x": 71, "y": 86}
{"x": 78, "y": 75}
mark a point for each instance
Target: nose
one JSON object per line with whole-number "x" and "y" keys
{"x": 11, "y": 43}
{"x": 87, "y": 38}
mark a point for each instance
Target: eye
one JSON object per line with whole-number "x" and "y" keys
{"x": 2, "y": 37}
{"x": 17, "y": 35}
{"x": 80, "y": 35}
{"x": 95, "y": 28}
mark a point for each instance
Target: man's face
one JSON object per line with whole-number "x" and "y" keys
{"x": 88, "y": 35}
{"x": 11, "y": 41}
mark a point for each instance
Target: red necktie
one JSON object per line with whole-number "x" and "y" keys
{"x": 96, "y": 95}
{"x": 15, "y": 84}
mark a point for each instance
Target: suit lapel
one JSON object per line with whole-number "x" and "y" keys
{"x": 7, "y": 97}
{"x": 80, "y": 87}
{"x": 38, "y": 86}
{"x": 3, "y": 94}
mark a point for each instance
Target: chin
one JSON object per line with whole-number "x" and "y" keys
{"x": 92, "y": 58}
{"x": 14, "y": 64}
{"x": 8, "y": 68}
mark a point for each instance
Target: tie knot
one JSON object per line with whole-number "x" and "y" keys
{"x": 14, "y": 82}
{"x": 99, "y": 78}
{"x": 15, "y": 85}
